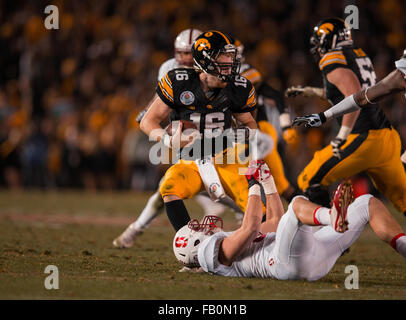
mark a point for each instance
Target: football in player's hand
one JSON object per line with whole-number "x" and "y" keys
{"x": 173, "y": 126}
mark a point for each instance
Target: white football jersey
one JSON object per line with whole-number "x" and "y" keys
{"x": 401, "y": 65}
{"x": 244, "y": 67}
{"x": 167, "y": 66}
{"x": 296, "y": 251}
{"x": 256, "y": 261}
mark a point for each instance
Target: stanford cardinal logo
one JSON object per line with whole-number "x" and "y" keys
{"x": 180, "y": 242}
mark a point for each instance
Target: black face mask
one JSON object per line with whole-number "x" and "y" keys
{"x": 235, "y": 69}
{"x": 314, "y": 49}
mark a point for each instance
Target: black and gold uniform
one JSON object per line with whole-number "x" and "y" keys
{"x": 181, "y": 90}
{"x": 373, "y": 146}
{"x": 265, "y": 118}
{"x": 355, "y": 59}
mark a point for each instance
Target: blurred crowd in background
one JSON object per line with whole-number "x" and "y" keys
{"x": 69, "y": 97}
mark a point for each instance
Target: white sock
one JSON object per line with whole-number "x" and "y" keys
{"x": 322, "y": 216}
{"x": 153, "y": 208}
{"x": 399, "y": 244}
{"x": 403, "y": 157}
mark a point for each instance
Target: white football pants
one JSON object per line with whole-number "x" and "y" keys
{"x": 308, "y": 252}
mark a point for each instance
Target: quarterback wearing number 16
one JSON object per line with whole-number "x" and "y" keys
{"x": 209, "y": 95}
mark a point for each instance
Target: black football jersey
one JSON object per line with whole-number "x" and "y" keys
{"x": 355, "y": 59}
{"x": 263, "y": 90}
{"x": 181, "y": 90}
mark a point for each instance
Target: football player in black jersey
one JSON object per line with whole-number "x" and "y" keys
{"x": 208, "y": 95}
{"x": 393, "y": 83}
{"x": 366, "y": 141}
{"x": 155, "y": 205}
{"x": 273, "y": 121}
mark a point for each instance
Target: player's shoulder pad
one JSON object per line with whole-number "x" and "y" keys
{"x": 173, "y": 82}
{"x": 243, "y": 92}
{"x": 167, "y": 66}
{"x": 359, "y": 52}
{"x": 165, "y": 87}
{"x": 178, "y": 75}
{"x": 209, "y": 250}
{"x": 251, "y": 73}
{"x": 181, "y": 74}
{"x": 241, "y": 84}
{"x": 331, "y": 58}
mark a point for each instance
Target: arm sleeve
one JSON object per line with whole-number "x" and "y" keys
{"x": 346, "y": 105}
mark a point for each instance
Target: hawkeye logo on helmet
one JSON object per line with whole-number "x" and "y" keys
{"x": 202, "y": 44}
{"x": 325, "y": 28}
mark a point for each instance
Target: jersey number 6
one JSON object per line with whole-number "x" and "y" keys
{"x": 211, "y": 121}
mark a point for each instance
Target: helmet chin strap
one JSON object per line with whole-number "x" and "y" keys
{"x": 221, "y": 77}
{"x": 197, "y": 66}
{"x": 344, "y": 43}
{"x": 333, "y": 43}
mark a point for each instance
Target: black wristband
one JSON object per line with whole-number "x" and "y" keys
{"x": 322, "y": 117}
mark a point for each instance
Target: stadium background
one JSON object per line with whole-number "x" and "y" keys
{"x": 69, "y": 97}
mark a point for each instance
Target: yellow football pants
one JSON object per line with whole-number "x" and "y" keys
{"x": 183, "y": 180}
{"x": 376, "y": 152}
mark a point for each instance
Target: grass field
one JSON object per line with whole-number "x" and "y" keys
{"x": 74, "y": 231}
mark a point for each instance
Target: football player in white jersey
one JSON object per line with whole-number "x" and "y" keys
{"x": 291, "y": 249}
{"x": 183, "y": 52}
{"x": 155, "y": 205}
